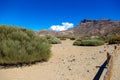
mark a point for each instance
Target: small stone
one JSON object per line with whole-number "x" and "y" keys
{"x": 63, "y": 62}
{"x": 68, "y": 66}
{"x": 62, "y": 74}
{"x": 73, "y": 59}
{"x": 100, "y": 51}
{"x": 88, "y": 71}
{"x": 93, "y": 58}
{"x": 69, "y": 69}
{"x": 105, "y": 50}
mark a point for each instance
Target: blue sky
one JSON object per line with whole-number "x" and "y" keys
{"x": 42, "y": 14}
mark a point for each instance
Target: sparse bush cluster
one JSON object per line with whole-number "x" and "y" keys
{"x": 66, "y": 37}
{"x": 52, "y": 40}
{"x": 62, "y": 38}
{"x": 114, "y": 40}
{"x": 19, "y": 45}
{"x": 72, "y": 38}
{"x": 77, "y": 42}
{"x": 88, "y": 42}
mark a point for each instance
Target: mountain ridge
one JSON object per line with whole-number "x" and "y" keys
{"x": 102, "y": 27}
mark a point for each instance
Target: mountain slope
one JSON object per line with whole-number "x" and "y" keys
{"x": 103, "y": 27}
{"x": 57, "y": 34}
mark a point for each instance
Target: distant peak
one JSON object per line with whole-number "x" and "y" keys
{"x": 88, "y": 20}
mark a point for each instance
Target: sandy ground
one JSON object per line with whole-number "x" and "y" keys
{"x": 116, "y": 68}
{"x": 68, "y": 62}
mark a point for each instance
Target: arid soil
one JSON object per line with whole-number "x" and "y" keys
{"x": 68, "y": 62}
{"x": 116, "y": 68}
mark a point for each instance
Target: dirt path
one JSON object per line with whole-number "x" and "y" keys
{"x": 68, "y": 62}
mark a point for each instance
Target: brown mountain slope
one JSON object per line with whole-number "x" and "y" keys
{"x": 103, "y": 27}
{"x": 57, "y": 34}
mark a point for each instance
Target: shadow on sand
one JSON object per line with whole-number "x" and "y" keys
{"x": 99, "y": 73}
{"x": 7, "y": 66}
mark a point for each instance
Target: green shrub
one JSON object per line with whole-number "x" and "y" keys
{"x": 62, "y": 38}
{"x": 88, "y": 42}
{"x": 52, "y": 40}
{"x": 114, "y": 40}
{"x": 19, "y": 45}
{"x": 72, "y": 38}
{"x": 77, "y": 42}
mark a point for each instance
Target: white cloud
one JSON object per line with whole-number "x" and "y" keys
{"x": 64, "y": 26}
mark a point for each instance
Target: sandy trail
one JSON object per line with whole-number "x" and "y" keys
{"x": 68, "y": 62}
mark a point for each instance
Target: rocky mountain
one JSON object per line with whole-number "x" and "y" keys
{"x": 57, "y": 34}
{"x": 103, "y": 27}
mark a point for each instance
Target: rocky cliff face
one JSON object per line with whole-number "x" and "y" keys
{"x": 96, "y": 27}
{"x": 103, "y": 27}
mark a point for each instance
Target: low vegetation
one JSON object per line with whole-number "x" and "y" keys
{"x": 114, "y": 40}
{"x": 19, "y": 46}
{"x": 66, "y": 37}
{"x": 52, "y": 40}
{"x": 72, "y": 38}
{"x": 62, "y": 38}
{"x": 88, "y": 42}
